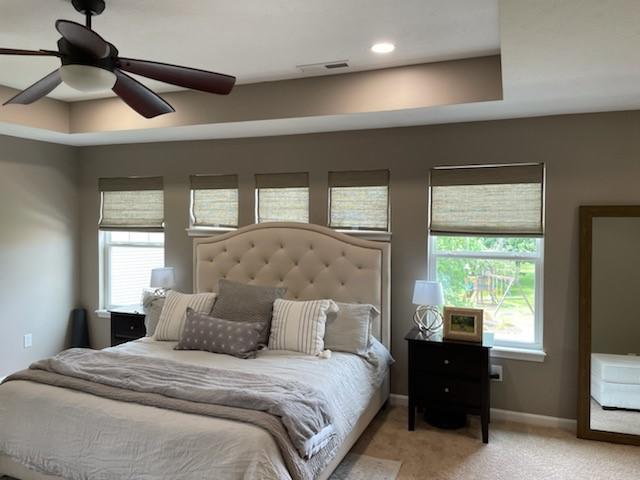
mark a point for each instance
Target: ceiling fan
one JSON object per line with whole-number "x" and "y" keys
{"x": 90, "y": 63}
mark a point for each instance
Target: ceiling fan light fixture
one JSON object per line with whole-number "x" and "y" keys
{"x": 87, "y": 78}
{"x": 91, "y": 64}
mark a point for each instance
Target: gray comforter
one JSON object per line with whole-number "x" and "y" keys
{"x": 295, "y": 415}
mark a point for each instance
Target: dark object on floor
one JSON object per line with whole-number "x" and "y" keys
{"x": 445, "y": 420}
{"x": 79, "y": 329}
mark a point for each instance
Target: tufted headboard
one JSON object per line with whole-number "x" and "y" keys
{"x": 311, "y": 261}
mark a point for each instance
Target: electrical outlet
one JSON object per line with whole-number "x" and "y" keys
{"x": 496, "y": 370}
{"x": 28, "y": 340}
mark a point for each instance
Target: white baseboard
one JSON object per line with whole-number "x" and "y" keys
{"x": 509, "y": 416}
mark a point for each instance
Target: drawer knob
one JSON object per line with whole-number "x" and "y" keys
{"x": 446, "y": 389}
{"x": 446, "y": 362}
{"x": 131, "y": 327}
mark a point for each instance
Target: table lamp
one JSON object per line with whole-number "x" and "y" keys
{"x": 162, "y": 279}
{"x": 429, "y": 297}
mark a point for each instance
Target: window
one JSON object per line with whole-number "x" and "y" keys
{"x": 486, "y": 246}
{"x": 131, "y": 203}
{"x": 128, "y": 258}
{"x": 131, "y": 235}
{"x": 214, "y": 201}
{"x": 359, "y": 200}
{"x": 502, "y": 276}
{"x": 282, "y": 197}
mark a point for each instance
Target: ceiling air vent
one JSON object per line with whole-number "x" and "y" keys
{"x": 323, "y": 66}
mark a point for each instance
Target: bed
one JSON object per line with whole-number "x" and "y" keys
{"x": 114, "y": 439}
{"x": 615, "y": 381}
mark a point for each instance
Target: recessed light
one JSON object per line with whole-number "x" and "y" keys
{"x": 383, "y": 47}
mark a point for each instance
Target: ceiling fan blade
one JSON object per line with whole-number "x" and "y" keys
{"x": 139, "y": 97}
{"x": 37, "y": 90}
{"x": 82, "y": 37}
{"x": 14, "y": 51}
{"x": 181, "y": 76}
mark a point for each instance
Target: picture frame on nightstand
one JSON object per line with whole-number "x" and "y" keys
{"x": 463, "y": 324}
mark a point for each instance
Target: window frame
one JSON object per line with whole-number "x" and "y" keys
{"x": 538, "y": 261}
{"x": 106, "y": 244}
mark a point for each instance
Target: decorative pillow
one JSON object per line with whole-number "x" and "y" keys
{"x": 299, "y": 326}
{"x": 174, "y": 312}
{"x": 247, "y": 303}
{"x": 152, "y": 308}
{"x": 202, "y": 332}
{"x": 350, "y": 329}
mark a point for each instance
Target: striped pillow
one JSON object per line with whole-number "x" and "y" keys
{"x": 299, "y": 326}
{"x": 174, "y": 312}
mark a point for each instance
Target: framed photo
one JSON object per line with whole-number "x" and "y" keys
{"x": 463, "y": 324}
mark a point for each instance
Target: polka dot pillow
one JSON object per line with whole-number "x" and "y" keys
{"x": 210, "y": 334}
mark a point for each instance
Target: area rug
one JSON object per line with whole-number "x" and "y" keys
{"x": 364, "y": 467}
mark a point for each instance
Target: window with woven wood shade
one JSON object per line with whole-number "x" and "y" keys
{"x": 214, "y": 200}
{"x": 131, "y": 203}
{"x": 497, "y": 200}
{"x": 282, "y": 197}
{"x": 359, "y": 200}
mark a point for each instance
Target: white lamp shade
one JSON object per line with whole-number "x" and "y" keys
{"x": 87, "y": 78}
{"x": 163, "y": 278}
{"x": 428, "y": 293}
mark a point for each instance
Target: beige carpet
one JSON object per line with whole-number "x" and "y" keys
{"x": 514, "y": 452}
{"x": 620, "y": 421}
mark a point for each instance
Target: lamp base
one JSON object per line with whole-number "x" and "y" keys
{"x": 428, "y": 319}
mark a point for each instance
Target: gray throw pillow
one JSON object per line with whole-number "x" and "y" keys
{"x": 153, "y": 308}
{"x": 210, "y": 334}
{"x": 239, "y": 302}
{"x": 350, "y": 329}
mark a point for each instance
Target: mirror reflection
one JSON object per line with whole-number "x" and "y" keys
{"x": 615, "y": 325}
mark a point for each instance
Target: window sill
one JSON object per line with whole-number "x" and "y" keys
{"x": 103, "y": 313}
{"x": 524, "y": 354}
{"x": 208, "y": 231}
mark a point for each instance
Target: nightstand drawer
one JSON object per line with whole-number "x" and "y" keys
{"x": 456, "y": 362}
{"x": 447, "y": 391}
{"x": 128, "y": 326}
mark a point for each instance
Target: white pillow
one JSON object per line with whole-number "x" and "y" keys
{"x": 350, "y": 329}
{"x": 174, "y": 312}
{"x": 299, "y": 326}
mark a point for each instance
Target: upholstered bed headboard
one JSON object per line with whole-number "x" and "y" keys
{"x": 311, "y": 261}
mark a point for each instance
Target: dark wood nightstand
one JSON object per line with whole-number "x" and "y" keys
{"x": 127, "y": 323}
{"x": 448, "y": 379}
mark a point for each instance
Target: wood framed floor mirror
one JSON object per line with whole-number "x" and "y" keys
{"x": 609, "y": 326}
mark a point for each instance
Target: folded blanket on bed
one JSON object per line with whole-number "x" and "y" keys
{"x": 295, "y": 414}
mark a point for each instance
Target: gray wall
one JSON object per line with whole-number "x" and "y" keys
{"x": 615, "y": 286}
{"x": 591, "y": 159}
{"x": 38, "y": 248}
